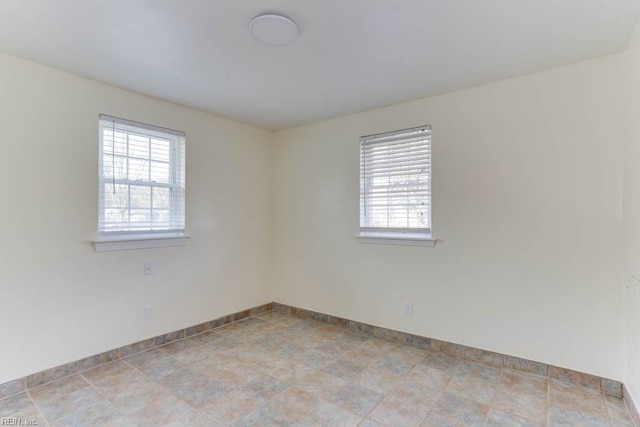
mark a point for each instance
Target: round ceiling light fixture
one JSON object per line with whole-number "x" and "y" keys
{"x": 273, "y": 29}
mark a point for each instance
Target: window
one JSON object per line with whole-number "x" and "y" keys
{"x": 395, "y": 184}
{"x": 142, "y": 181}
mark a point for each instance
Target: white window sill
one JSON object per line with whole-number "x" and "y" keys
{"x": 397, "y": 239}
{"x": 128, "y": 243}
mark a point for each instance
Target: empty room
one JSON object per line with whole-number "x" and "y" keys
{"x": 320, "y": 213}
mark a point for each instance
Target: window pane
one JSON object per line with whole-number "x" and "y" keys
{"x": 395, "y": 190}
{"x": 160, "y": 150}
{"x": 114, "y": 165}
{"x": 138, "y": 146}
{"x": 116, "y": 215}
{"x": 161, "y": 219}
{"x": 161, "y": 198}
{"x": 160, "y": 172}
{"x": 107, "y": 142}
{"x": 116, "y": 197}
{"x": 138, "y": 170}
{"x": 131, "y": 157}
{"x": 140, "y": 196}
{"x": 141, "y": 216}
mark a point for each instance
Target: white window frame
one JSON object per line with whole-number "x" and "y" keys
{"x": 414, "y": 236}
{"x": 174, "y": 234}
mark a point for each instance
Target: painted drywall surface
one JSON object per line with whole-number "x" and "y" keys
{"x": 62, "y": 301}
{"x": 631, "y": 291}
{"x": 527, "y": 189}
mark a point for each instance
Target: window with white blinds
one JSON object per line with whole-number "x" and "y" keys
{"x": 395, "y": 183}
{"x": 142, "y": 179}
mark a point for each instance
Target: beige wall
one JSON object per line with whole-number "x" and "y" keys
{"x": 527, "y": 187}
{"x": 62, "y": 301}
{"x": 527, "y": 204}
{"x": 631, "y": 307}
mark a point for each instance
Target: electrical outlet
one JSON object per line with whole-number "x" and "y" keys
{"x": 408, "y": 309}
{"x": 149, "y": 268}
{"x": 149, "y": 312}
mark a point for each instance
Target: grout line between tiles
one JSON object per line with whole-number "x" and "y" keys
{"x": 260, "y": 309}
{"x": 46, "y": 420}
{"x": 309, "y": 338}
{"x": 552, "y": 372}
{"x": 493, "y": 398}
{"x": 168, "y": 390}
{"x": 358, "y": 328}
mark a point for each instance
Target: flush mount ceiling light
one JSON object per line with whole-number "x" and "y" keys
{"x": 272, "y": 29}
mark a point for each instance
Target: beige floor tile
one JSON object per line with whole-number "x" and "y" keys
{"x": 131, "y": 391}
{"x": 377, "y": 345}
{"x": 521, "y": 404}
{"x": 245, "y": 371}
{"x": 264, "y": 415}
{"x": 333, "y": 349}
{"x": 394, "y": 411}
{"x": 363, "y": 355}
{"x": 321, "y": 384}
{"x": 314, "y": 358}
{"x": 480, "y": 391}
{"x": 431, "y": 377}
{"x": 70, "y": 403}
{"x": 56, "y": 389}
{"x": 225, "y": 377}
{"x": 105, "y": 371}
{"x": 295, "y": 403}
{"x": 618, "y": 412}
{"x": 478, "y": 371}
{"x": 408, "y": 353}
{"x": 20, "y": 410}
{"x": 442, "y": 362}
{"x": 170, "y": 414}
{"x": 521, "y": 382}
{"x": 16, "y": 404}
{"x": 356, "y": 398}
{"x": 160, "y": 368}
{"x": 265, "y": 387}
{"x": 377, "y": 380}
{"x": 178, "y": 346}
{"x": 191, "y": 355}
{"x": 231, "y": 407}
{"x": 498, "y": 418}
{"x": 577, "y": 398}
{"x": 394, "y": 364}
{"x": 560, "y": 416}
{"x": 345, "y": 368}
{"x": 194, "y": 389}
{"x": 330, "y": 415}
{"x": 415, "y": 394}
{"x": 352, "y": 338}
{"x": 290, "y": 371}
{"x": 280, "y": 370}
{"x": 101, "y": 414}
{"x": 144, "y": 358}
{"x": 369, "y": 423}
{"x": 453, "y": 410}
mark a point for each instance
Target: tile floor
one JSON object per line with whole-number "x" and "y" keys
{"x": 279, "y": 370}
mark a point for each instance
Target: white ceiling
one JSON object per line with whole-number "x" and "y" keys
{"x": 352, "y": 55}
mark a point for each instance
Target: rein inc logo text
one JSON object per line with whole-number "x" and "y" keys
{"x": 18, "y": 421}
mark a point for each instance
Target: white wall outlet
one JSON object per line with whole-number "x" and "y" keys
{"x": 149, "y": 268}
{"x": 408, "y": 309}
{"x": 149, "y": 312}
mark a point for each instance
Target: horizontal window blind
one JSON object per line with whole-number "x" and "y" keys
{"x": 395, "y": 182}
{"x": 142, "y": 179}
